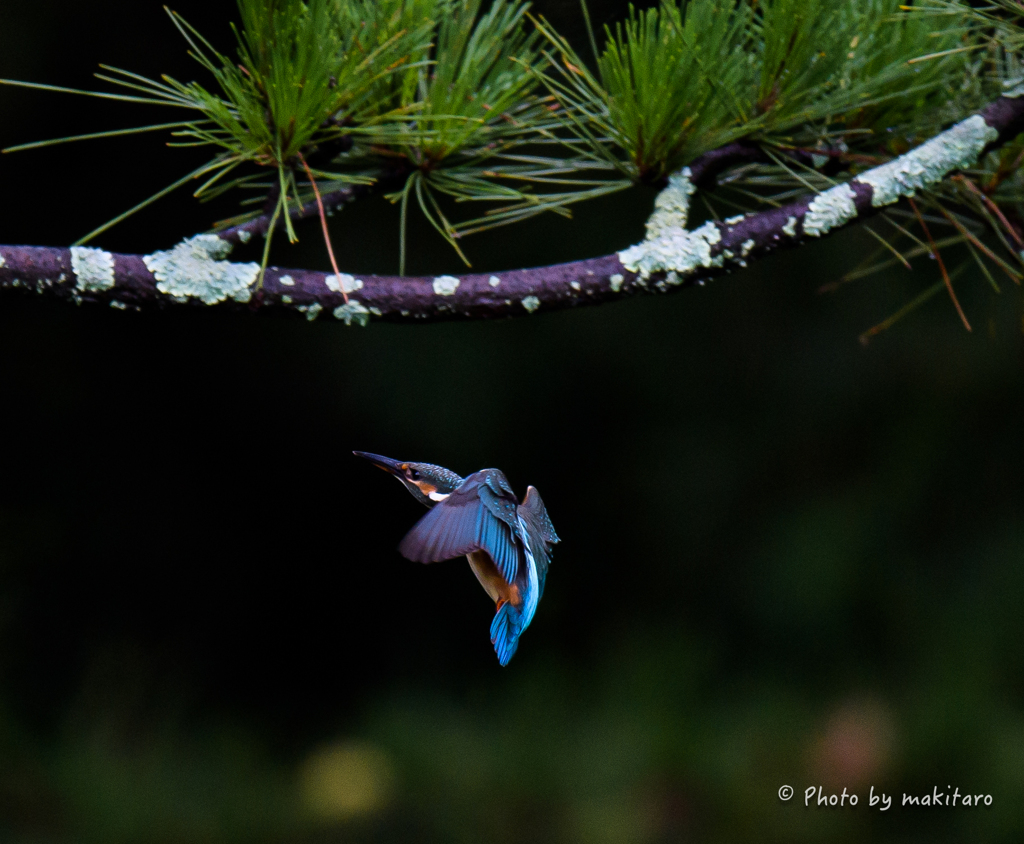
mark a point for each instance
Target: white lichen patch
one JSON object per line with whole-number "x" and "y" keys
{"x": 615, "y": 282}
{"x": 732, "y": 221}
{"x": 955, "y": 149}
{"x": 790, "y": 227}
{"x": 2, "y": 261}
{"x": 286, "y": 299}
{"x": 745, "y": 247}
{"x": 446, "y": 285}
{"x": 287, "y": 281}
{"x": 193, "y": 269}
{"x": 93, "y": 268}
{"x": 531, "y": 303}
{"x": 352, "y": 311}
{"x": 343, "y": 282}
{"x": 494, "y": 281}
{"x": 575, "y": 285}
{"x": 669, "y": 246}
{"x": 311, "y": 311}
{"x": 674, "y": 249}
{"x": 672, "y": 206}
{"x": 245, "y": 236}
{"x": 829, "y": 210}
{"x": 121, "y": 306}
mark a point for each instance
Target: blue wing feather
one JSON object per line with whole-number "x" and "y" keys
{"x": 473, "y": 518}
{"x": 505, "y": 630}
{"x": 542, "y": 534}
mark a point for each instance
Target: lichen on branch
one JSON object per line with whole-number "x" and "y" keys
{"x": 671, "y": 256}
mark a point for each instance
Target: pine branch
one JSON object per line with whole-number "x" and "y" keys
{"x": 706, "y": 168}
{"x": 671, "y": 257}
{"x": 259, "y": 226}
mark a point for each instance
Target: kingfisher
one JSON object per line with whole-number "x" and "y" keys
{"x": 508, "y": 544}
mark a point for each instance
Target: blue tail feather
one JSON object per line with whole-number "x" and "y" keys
{"x": 505, "y": 630}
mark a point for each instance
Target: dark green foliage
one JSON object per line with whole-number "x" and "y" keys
{"x": 665, "y": 86}
{"x": 680, "y": 79}
{"x": 302, "y": 66}
{"x": 471, "y": 104}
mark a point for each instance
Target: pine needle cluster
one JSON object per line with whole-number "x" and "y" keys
{"x": 679, "y": 80}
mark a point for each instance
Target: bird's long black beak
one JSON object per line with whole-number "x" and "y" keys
{"x": 392, "y": 467}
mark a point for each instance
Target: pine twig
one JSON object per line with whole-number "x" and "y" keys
{"x": 942, "y": 264}
{"x": 323, "y": 224}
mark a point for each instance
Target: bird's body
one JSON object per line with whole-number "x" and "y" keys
{"x": 508, "y": 544}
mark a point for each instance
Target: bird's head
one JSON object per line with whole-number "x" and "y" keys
{"x": 428, "y": 483}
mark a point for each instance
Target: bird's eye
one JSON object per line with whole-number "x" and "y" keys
{"x": 412, "y": 474}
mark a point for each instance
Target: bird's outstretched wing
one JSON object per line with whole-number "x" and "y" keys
{"x": 479, "y": 516}
{"x": 541, "y": 534}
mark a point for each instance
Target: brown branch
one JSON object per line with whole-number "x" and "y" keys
{"x": 258, "y": 226}
{"x": 706, "y": 168}
{"x": 191, "y": 274}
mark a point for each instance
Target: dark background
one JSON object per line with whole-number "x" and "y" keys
{"x": 787, "y": 558}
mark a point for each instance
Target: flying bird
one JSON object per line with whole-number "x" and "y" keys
{"x": 508, "y": 544}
